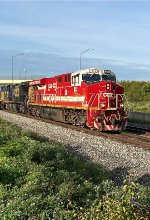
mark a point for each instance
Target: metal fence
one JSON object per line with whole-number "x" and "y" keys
{"x": 140, "y": 117}
{"x": 31, "y": 77}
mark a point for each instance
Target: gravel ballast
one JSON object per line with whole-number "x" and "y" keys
{"x": 117, "y": 157}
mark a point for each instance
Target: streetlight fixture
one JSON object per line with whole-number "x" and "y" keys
{"x": 84, "y": 51}
{"x": 18, "y": 54}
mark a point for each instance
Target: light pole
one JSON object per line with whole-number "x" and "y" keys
{"x": 18, "y": 54}
{"x": 25, "y": 70}
{"x": 99, "y": 63}
{"x": 84, "y": 51}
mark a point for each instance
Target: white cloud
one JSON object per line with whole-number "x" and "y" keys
{"x": 14, "y": 30}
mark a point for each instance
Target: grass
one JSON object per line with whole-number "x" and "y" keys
{"x": 41, "y": 180}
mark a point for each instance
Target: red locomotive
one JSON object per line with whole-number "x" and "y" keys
{"x": 89, "y": 97}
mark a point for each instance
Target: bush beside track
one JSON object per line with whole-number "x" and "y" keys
{"x": 40, "y": 180}
{"x": 138, "y": 95}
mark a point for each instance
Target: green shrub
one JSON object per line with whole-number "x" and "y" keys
{"x": 137, "y": 95}
{"x": 11, "y": 169}
{"x": 124, "y": 203}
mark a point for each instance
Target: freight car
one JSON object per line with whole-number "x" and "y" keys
{"x": 89, "y": 97}
{"x": 14, "y": 97}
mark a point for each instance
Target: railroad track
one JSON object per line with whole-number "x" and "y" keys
{"x": 139, "y": 137}
{"x": 137, "y": 129}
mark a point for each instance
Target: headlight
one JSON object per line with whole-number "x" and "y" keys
{"x": 107, "y": 86}
{"x": 102, "y": 105}
{"x": 121, "y": 105}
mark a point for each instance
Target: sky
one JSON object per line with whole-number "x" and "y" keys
{"x": 53, "y": 34}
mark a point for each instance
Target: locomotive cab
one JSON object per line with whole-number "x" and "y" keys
{"x": 90, "y": 76}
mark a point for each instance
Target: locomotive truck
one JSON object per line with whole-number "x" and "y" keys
{"x": 89, "y": 97}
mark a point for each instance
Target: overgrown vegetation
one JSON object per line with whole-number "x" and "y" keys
{"x": 138, "y": 95}
{"x": 40, "y": 180}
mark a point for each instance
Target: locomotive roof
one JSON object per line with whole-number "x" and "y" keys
{"x": 37, "y": 82}
{"x": 85, "y": 71}
{"x": 63, "y": 74}
{"x": 43, "y": 80}
{"x": 94, "y": 70}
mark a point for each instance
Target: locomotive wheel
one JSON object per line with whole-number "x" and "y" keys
{"x": 11, "y": 107}
{"x": 38, "y": 112}
{"x": 22, "y": 109}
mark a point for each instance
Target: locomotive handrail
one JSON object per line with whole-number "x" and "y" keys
{"x": 128, "y": 110}
{"x": 121, "y": 95}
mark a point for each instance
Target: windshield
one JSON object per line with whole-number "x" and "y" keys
{"x": 109, "y": 78}
{"x": 91, "y": 78}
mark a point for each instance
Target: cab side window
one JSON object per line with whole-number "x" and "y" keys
{"x": 75, "y": 79}
{"x": 59, "y": 79}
